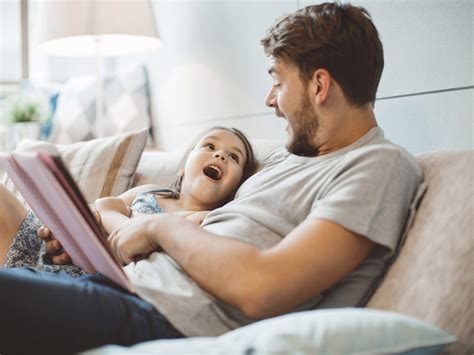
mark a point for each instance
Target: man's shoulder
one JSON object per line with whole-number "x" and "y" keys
{"x": 275, "y": 156}
{"x": 382, "y": 150}
{"x": 384, "y": 153}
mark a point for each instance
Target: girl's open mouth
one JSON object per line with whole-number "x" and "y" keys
{"x": 213, "y": 171}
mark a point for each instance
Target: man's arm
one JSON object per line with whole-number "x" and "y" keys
{"x": 261, "y": 283}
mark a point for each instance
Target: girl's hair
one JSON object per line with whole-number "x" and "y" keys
{"x": 250, "y": 165}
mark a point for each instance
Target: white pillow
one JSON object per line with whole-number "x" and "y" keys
{"x": 330, "y": 331}
{"x": 160, "y": 167}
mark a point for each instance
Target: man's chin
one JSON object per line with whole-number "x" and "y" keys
{"x": 301, "y": 149}
{"x": 290, "y": 144}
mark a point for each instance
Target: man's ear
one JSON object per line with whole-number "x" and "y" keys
{"x": 321, "y": 84}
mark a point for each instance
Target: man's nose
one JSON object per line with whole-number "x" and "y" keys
{"x": 270, "y": 99}
{"x": 220, "y": 155}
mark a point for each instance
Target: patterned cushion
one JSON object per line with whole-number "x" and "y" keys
{"x": 126, "y": 105}
{"x": 101, "y": 167}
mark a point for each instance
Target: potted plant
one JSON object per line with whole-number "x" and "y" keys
{"x": 26, "y": 114}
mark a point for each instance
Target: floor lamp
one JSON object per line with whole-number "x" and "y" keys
{"x": 97, "y": 28}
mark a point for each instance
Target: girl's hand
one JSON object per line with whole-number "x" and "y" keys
{"x": 54, "y": 249}
{"x": 131, "y": 241}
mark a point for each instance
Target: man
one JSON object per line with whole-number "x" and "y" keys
{"x": 312, "y": 229}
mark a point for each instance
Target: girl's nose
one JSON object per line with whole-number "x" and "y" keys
{"x": 219, "y": 154}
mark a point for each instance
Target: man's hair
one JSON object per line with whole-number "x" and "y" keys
{"x": 339, "y": 38}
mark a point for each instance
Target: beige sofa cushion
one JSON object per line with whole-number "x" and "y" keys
{"x": 101, "y": 167}
{"x": 433, "y": 277}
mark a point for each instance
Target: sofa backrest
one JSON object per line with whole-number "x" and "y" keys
{"x": 160, "y": 167}
{"x": 433, "y": 276}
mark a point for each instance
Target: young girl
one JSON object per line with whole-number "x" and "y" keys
{"x": 212, "y": 169}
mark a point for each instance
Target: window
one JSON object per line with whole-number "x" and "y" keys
{"x": 11, "y": 71}
{"x": 19, "y": 57}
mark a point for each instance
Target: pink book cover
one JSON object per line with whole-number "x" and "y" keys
{"x": 55, "y": 198}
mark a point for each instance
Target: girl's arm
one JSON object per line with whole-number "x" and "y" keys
{"x": 54, "y": 247}
{"x": 114, "y": 211}
{"x": 129, "y": 195}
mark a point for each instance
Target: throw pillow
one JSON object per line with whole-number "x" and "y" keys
{"x": 126, "y": 107}
{"x": 101, "y": 167}
{"x": 51, "y": 92}
{"x": 330, "y": 331}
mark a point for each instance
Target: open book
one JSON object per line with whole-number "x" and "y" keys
{"x": 55, "y": 198}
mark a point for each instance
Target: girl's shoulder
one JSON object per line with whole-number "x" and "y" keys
{"x": 129, "y": 195}
{"x": 147, "y": 188}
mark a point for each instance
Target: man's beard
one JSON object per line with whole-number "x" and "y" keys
{"x": 304, "y": 126}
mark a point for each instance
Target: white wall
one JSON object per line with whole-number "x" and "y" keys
{"x": 211, "y": 70}
{"x": 428, "y": 47}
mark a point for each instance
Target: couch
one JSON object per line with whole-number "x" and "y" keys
{"x": 432, "y": 278}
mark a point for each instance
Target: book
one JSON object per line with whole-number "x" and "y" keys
{"x": 57, "y": 201}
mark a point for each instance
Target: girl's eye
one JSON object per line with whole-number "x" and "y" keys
{"x": 234, "y": 157}
{"x": 210, "y": 146}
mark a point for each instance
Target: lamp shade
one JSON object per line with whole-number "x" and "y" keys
{"x": 75, "y": 27}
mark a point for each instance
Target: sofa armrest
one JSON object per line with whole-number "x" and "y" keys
{"x": 433, "y": 276}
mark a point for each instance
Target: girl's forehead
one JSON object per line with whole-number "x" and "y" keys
{"x": 228, "y": 139}
{"x": 223, "y": 136}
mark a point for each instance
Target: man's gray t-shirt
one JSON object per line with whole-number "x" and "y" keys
{"x": 366, "y": 187}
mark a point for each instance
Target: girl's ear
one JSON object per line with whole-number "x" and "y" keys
{"x": 179, "y": 181}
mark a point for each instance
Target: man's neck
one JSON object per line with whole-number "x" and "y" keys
{"x": 346, "y": 126}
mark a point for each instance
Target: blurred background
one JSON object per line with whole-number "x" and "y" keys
{"x": 210, "y": 69}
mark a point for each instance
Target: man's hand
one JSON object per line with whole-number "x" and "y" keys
{"x": 131, "y": 240}
{"x": 54, "y": 249}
